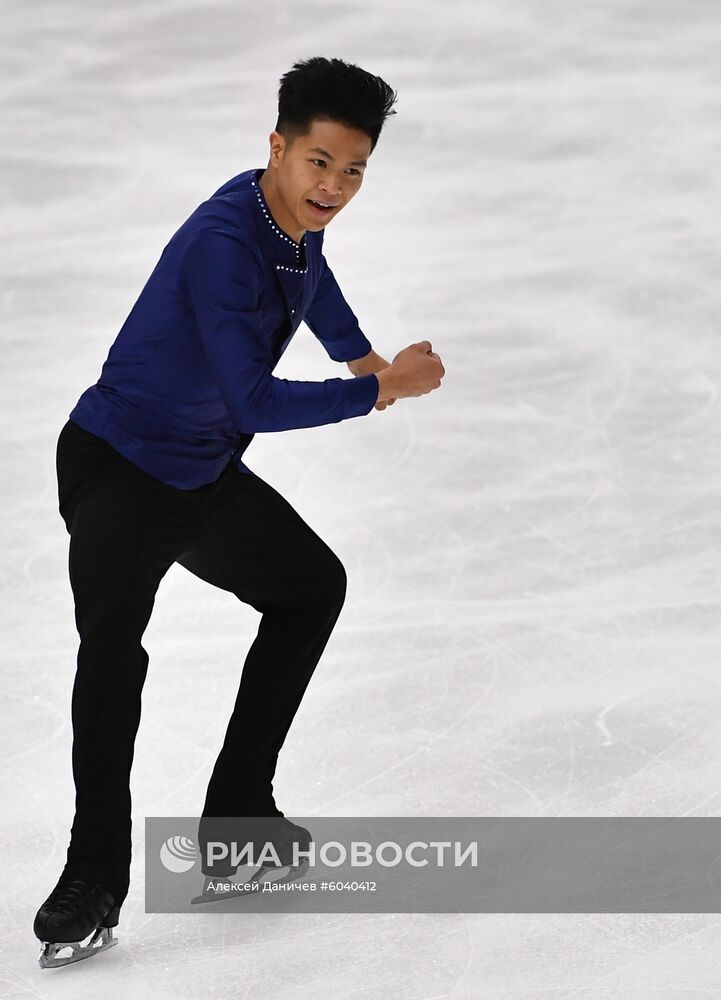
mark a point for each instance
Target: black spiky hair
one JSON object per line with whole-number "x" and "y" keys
{"x": 332, "y": 90}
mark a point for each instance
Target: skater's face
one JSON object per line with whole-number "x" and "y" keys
{"x": 327, "y": 166}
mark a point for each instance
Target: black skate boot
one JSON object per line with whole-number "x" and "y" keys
{"x": 276, "y": 831}
{"x": 74, "y": 909}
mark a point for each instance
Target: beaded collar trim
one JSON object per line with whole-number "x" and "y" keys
{"x": 297, "y": 246}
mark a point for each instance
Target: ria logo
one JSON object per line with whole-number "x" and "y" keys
{"x": 178, "y": 854}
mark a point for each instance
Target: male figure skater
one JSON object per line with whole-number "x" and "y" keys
{"x": 150, "y": 472}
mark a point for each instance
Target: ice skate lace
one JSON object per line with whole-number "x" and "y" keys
{"x": 67, "y": 894}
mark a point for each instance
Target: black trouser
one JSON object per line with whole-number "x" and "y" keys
{"x": 126, "y": 529}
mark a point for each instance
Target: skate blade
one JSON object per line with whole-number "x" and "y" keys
{"x": 101, "y": 940}
{"x": 211, "y": 896}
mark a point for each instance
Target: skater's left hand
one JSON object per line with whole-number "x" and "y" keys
{"x": 381, "y": 404}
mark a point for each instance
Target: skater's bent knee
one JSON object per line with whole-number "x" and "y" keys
{"x": 330, "y": 579}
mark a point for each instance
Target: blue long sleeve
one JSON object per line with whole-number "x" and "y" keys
{"x": 333, "y": 322}
{"x": 189, "y": 379}
{"x": 223, "y": 281}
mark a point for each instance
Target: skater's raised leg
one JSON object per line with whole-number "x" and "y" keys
{"x": 256, "y": 546}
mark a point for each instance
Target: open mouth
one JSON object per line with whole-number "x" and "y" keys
{"x": 318, "y": 209}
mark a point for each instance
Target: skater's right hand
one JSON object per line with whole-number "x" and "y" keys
{"x": 415, "y": 371}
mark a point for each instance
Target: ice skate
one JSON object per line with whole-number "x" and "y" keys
{"x": 77, "y": 909}
{"x": 284, "y": 834}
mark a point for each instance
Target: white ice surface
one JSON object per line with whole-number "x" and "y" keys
{"x": 533, "y": 551}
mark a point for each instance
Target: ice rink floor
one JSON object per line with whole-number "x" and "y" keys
{"x": 533, "y": 551}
